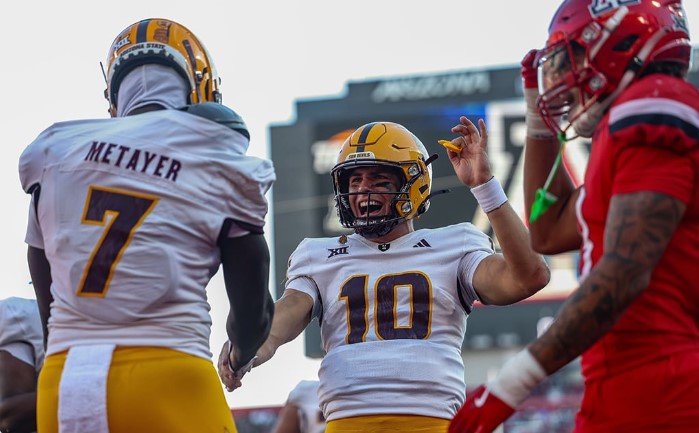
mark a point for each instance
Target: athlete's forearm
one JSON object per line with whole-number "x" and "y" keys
{"x": 292, "y": 313}
{"x": 638, "y": 230}
{"x": 527, "y": 269}
{"x": 246, "y": 275}
{"x": 554, "y": 231}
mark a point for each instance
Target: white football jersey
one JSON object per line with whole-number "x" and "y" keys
{"x": 305, "y": 397}
{"x": 21, "y": 333}
{"x": 393, "y": 318}
{"x": 129, "y": 213}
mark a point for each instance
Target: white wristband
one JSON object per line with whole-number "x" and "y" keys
{"x": 490, "y": 195}
{"x": 517, "y": 378}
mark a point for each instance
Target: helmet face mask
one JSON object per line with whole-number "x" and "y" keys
{"x": 164, "y": 42}
{"x": 596, "y": 49}
{"x": 564, "y": 85}
{"x": 389, "y": 148}
{"x": 374, "y": 212}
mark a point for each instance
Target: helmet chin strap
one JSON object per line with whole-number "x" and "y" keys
{"x": 378, "y": 226}
{"x": 373, "y": 231}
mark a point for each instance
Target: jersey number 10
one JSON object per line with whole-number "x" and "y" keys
{"x": 354, "y": 293}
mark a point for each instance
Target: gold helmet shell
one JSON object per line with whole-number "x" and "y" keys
{"x": 389, "y": 145}
{"x": 162, "y": 41}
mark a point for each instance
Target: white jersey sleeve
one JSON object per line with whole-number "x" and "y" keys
{"x": 393, "y": 319}
{"x": 33, "y": 235}
{"x": 130, "y": 212}
{"x": 299, "y": 279}
{"x": 305, "y": 397}
{"x": 21, "y": 333}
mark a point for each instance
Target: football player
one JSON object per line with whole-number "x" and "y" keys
{"x": 301, "y": 413}
{"x": 130, "y": 218}
{"x": 615, "y": 72}
{"x": 392, "y": 301}
{"x": 21, "y": 358}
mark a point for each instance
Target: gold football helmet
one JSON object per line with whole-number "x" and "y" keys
{"x": 391, "y": 145}
{"x": 158, "y": 40}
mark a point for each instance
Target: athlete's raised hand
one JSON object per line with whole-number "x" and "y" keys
{"x": 471, "y": 163}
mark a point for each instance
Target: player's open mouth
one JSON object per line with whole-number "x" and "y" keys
{"x": 370, "y": 208}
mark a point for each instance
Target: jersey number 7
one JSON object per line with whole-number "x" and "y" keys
{"x": 121, "y": 213}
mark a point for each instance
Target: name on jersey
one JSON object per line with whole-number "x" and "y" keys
{"x": 134, "y": 159}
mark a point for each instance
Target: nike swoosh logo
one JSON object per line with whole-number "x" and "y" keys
{"x": 480, "y": 401}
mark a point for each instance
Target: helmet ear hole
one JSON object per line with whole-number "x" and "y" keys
{"x": 625, "y": 44}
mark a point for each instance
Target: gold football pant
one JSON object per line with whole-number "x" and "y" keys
{"x": 149, "y": 390}
{"x": 388, "y": 424}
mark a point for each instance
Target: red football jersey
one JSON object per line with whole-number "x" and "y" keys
{"x": 648, "y": 141}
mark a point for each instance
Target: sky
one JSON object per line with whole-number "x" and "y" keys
{"x": 269, "y": 54}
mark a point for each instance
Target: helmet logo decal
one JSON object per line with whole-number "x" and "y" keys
{"x": 360, "y": 155}
{"x": 121, "y": 42}
{"x": 141, "y": 46}
{"x": 162, "y": 33}
{"x": 680, "y": 20}
{"x": 599, "y": 7}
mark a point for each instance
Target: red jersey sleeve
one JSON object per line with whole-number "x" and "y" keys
{"x": 645, "y": 168}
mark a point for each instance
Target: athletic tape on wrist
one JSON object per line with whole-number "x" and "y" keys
{"x": 517, "y": 378}
{"x": 490, "y": 195}
{"x": 536, "y": 127}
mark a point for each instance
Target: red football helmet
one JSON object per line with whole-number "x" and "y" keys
{"x": 595, "y": 50}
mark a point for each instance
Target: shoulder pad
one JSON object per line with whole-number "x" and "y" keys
{"x": 219, "y": 113}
